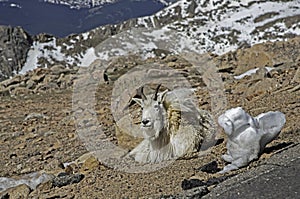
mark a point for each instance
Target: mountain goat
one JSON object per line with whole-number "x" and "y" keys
{"x": 170, "y": 128}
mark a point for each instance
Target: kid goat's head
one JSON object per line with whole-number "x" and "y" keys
{"x": 153, "y": 113}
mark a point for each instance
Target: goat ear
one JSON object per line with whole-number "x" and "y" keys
{"x": 162, "y": 96}
{"x": 138, "y": 101}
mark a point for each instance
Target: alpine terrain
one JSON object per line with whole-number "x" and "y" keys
{"x": 67, "y": 121}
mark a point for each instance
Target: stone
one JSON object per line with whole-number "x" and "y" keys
{"x": 57, "y": 69}
{"x": 46, "y": 87}
{"x": 20, "y": 191}
{"x": 50, "y": 78}
{"x": 217, "y": 180}
{"x": 90, "y": 164}
{"x": 16, "y": 42}
{"x": 64, "y": 179}
{"x": 192, "y": 183}
{"x": 30, "y": 84}
{"x": 21, "y": 91}
{"x": 35, "y": 116}
{"x": 31, "y": 181}
{"x": 4, "y": 92}
{"x": 38, "y": 78}
{"x": 211, "y": 167}
{"x": 194, "y": 193}
{"x": 12, "y": 81}
{"x": 45, "y": 186}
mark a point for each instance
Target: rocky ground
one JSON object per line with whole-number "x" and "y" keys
{"x": 38, "y": 130}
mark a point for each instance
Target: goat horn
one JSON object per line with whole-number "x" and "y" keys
{"x": 156, "y": 92}
{"x": 141, "y": 92}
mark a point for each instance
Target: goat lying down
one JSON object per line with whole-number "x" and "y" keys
{"x": 171, "y": 125}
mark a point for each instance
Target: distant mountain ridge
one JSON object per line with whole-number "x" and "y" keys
{"x": 65, "y": 17}
{"x": 78, "y": 4}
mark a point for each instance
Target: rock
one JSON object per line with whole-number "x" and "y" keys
{"x": 35, "y": 116}
{"x": 211, "y": 167}
{"x": 53, "y": 166}
{"x": 31, "y": 181}
{"x": 45, "y": 186}
{"x": 260, "y": 55}
{"x": 39, "y": 80}
{"x": 64, "y": 179}
{"x": 66, "y": 81}
{"x": 21, "y": 91}
{"x": 252, "y": 58}
{"x": 38, "y": 77}
{"x": 16, "y": 43}
{"x": 192, "y": 183}
{"x": 12, "y": 81}
{"x": 46, "y": 87}
{"x": 58, "y": 69}
{"x": 50, "y": 78}
{"x": 196, "y": 192}
{"x": 217, "y": 180}
{"x": 4, "y": 92}
{"x": 20, "y": 191}
{"x": 30, "y": 84}
{"x": 83, "y": 158}
{"x": 90, "y": 164}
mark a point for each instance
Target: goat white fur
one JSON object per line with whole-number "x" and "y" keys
{"x": 171, "y": 128}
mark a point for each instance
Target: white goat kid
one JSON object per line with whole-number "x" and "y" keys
{"x": 164, "y": 140}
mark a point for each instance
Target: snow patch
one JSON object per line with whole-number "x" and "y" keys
{"x": 13, "y": 5}
{"x": 48, "y": 50}
{"x": 227, "y": 24}
{"x": 252, "y": 71}
{"x": 88, "y": 57}
{"x": 247, "y": 73}
{"x": 85, "y": 35}
{"x": 68, "y": 47}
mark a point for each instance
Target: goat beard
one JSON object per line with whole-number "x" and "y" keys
{"x": 150, "y": 133}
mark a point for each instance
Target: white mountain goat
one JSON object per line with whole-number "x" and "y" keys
{"x": 171, "y": 128}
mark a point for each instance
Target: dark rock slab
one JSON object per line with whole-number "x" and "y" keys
{"x": 196, "y": 192}
{"x": 64, "y": 179}
{"x": 14, "y": 45}
{"x": 277, "y": 177}
{"x": 211, "y": 167}
{"x": 192, "y": 183}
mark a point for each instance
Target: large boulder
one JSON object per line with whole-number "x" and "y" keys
{"x": 14, "y": 45}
